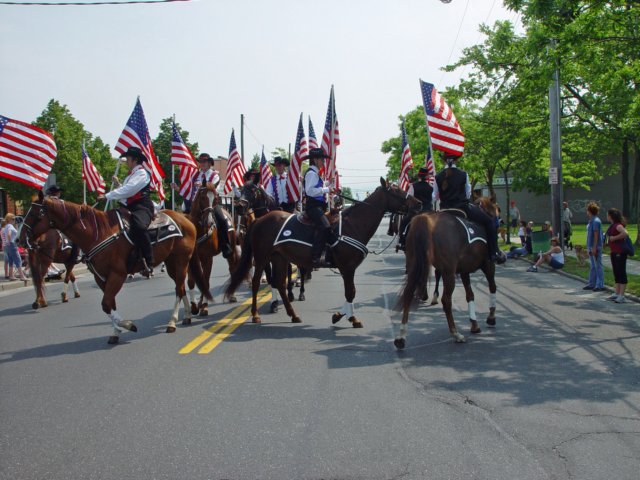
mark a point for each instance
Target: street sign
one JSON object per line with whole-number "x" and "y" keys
{"x": 553, "y": 176}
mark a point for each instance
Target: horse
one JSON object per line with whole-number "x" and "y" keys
{"x": 254, "y": 202}
{"x": 49, "y": 248}
{"x": 357, "y": 225}
{"x": 440, "y": 240}
{"x": 100, "y": 235}
{"x": 207, "y": 245}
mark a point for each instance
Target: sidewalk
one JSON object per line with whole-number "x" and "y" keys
{"x": 12, "y": 284}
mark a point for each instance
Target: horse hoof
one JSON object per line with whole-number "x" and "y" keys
{"x": 335, "y": 318}
{"x": 194, "y": 309}
{"x": 113, "y": 339}
{"x": 35, "y": 305}
{"x": 355, "y": 322}
{"x": 274, "y": 307}
{"x": 491, "y": 321}
{"x": 233, "y": 299}
{"x": 291, "y": 296}
{"x": 76, "y": 295}
{"x": 301, "y": 297}
{"x": 128, "y": 325}
{"x": 459, "y": 338}
{"x": 170, "y": 330}
{"x": 296, "y": 320}
{"x": 474, "y": 327}
{"x": 186, "y": 321}
{"x": 256, "y": 320}
{"x": 204, "y": 312}
{"x": 399, "y": 343}
{"x": 434, "y": 301}
{"x": 65, "y": 299}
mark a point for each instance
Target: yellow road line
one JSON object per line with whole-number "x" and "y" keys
{"x": 193, "y": 344}
{"x": 239, "y": 320}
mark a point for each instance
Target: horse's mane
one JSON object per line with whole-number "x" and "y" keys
{"x": 367, "y": 201}
{"x": 87, "y": 216}
{"x": 487, "y": 205}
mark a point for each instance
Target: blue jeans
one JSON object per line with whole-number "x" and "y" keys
{"x": 596, "y": 271}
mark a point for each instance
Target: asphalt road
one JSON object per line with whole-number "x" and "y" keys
{"x": 553, "y": 392}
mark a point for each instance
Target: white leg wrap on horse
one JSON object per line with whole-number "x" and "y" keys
{"x": 75, "y": 287}
{"x": 274, "y": 294}
{"x": 115, "y": 319}
{"x": 192, "y": 295}
{"x": 174, "y": 315}
{"x": 492, "y": 300}
{"x": 472, "y": 310}
{"x": 403, "y": 330}
{"x": 187, "y": 307}
{"x": 347, "y": 309}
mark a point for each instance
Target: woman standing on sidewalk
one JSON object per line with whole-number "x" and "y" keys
{"x": 617, "y": 233}
{"x": 594, "y": 246}
{"x": 14, "y": 260}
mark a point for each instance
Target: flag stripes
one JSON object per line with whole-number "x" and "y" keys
{"x": 331, "y": 138}
{"x": 265, "y": 171}
{"x": 407, "y": 162}
{"x": 91, "y": 176}
{"x": 442, "y": 125}
{"x": 295, "y": 168}
{"x": 235, "y": 167}
{"x": 182, "y": 157}
{"x": 27, "y": 152}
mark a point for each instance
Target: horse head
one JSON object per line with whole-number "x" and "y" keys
{"x": 254, "y": 197}
{"x": 397, "y": 200}
{"x": 203, "y": 204}
{"x": 37, "y": 220}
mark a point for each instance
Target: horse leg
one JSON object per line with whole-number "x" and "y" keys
{"x": 449, "y": 283}
{"x": 255, "y": 286}
{"x": 471, "y": 304}
{"x": 489, "y": 270}
{"x": 38, "y": 285}
{"x": 401, "y": 339}
{"x": 192, "y": 295}
{"x": 436, "y": 292}
{"x": 301, "y": 274}
{"x": 76, "y": 291}
{"x": 279, "y": 272}
{"x": 178, "y": 272}
{"x": 290, "y": 295}
{"x": 203, "y": 304}
{"x": 110, "y": 290}
{"x": 349, "y": 295}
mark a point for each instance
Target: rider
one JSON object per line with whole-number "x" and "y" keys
{"x": 453, "y": 189}
{"x": 316, "y": 206}
{"x": 277, "y": 186}
{"x": 207, "y": 176}
{"x": 135, "y": 194}
{"x": 423, "y": 191}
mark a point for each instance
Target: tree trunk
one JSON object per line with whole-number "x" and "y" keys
{"x": 624, "y": 174}
{"x": 636, "y": 190}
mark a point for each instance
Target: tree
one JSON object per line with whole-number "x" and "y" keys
{"x": 69, "y": 135}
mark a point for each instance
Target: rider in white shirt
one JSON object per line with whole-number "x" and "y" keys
{"x": 277, "y": 186}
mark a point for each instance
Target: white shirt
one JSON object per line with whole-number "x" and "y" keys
{"x": 210, "y": 175}
{"x": 281, "y": 188}
{"x": 435, "y": 196}
{"x": 310, "y": 180}
{"x": 137, "y": 179}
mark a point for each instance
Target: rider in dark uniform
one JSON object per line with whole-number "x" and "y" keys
{"x": 316, "y": 206}
{"x": 423, "y": 191}
{"x": 134, "y": 193}
{"x": 454, "y": 191}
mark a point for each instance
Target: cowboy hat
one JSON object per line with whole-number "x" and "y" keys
{"x": 316, "y": 153}
{"x": 280, "y": 160}
{"x": 135, "y": 153}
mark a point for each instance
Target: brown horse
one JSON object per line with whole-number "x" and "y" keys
{"x": 440, "y": 240}
{"x": 47, "y": 249}
{"x": 207, "y": 244}
{"x": 358, "y": 225}
{"x": 106, "y": 249}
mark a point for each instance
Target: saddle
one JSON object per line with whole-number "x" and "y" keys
{"x": 475, "y": 232}
{"x": 300, "y": 229}
{"x": 161, "y": 228}
{"x": 66, "y": 243}
{"x": 333, "y": 216}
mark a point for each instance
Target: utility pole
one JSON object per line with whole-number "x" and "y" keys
{"x": 555, "y": 170}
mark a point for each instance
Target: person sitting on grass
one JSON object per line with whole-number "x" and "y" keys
{"x": 554, "y": 257}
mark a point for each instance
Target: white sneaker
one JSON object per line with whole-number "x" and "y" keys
{"x": 620, "y": 299}
{"x": 613, "y": 297}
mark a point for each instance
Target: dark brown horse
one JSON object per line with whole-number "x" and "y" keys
{"x": 359, "y": 223}
{"x": 106, "y": 249}
{"x": 207, "y": 244}
{"x": 47, "y": 249}
{"x": 439, "y": 240}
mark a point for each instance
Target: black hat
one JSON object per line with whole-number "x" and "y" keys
{"x": 316, "y": 153}
{"x": 280, "y": 160}
{"x": 53, "y": 189}
{"x": 134, "y": 152}
{"x": 423, "y": 172}
{"x": 205, "y": 156}
{"x": 451, "y": 155}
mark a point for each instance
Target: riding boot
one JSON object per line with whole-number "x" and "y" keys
{"x": 223, "y": 232}
{"x": 319, "y": 242}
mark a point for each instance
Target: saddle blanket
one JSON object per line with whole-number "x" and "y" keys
{"x": 66, "y": 243}
{"x": 293, "y": 230}
{"x": 475, "y": 232}
{"x": 161, "y": 228}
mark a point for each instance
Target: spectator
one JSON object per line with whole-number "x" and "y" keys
{"x": 546, "y": 227}
{"x": 567, "y": 215}
{"x": 14, "y": 260}
{"x": 594, "y": 247}
{"x": 616, "y": 234}
{"x": 4, "y": 243}
{"x": 522, "y": 232}
{"x": 554, "y": 257}
{"x": 527, "y": 245}
{"x": 514, "y": 213}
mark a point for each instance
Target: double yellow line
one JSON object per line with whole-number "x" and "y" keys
{"x": 225, "y": 326}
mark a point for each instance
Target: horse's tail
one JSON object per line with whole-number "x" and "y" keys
{"x": 417, "y": 260}
{"x": 195, "y": 270}
{"x": 241, "y": 271}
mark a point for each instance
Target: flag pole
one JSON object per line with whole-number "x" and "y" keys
{"x": 332, "y": 146}
{"x": 84, "y": 180}
{"x": 173, "y": 175}
{"x": 106, "y": 205}
{"x": 430, "y": 152}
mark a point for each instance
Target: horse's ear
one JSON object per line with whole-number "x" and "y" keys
{"x": 383, "y": 182}
{"x": 40, "y": 196}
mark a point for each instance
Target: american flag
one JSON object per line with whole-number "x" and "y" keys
{"x": 27, "y": 153}
{"x": 407, "y": 162}
{"x": 331, "y": 138}
{"x": 293, "y": 179}
{"x": 235, "y": 167}
{"x": 91, "y": 176}
{"x": 431, "y": 168}
{"x": 313, "y": 142}
{"x": 265, "y": 171}
{"x": 183, "y": 158}
{"x": 443, "y": 127}
{"x": 136, "y": 134}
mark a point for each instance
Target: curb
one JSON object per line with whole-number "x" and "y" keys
{"x": 6, "y": 286}
{"x": 628, "y": 296}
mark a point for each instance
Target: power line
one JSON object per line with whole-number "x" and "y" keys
{"x": 87, "y": 4}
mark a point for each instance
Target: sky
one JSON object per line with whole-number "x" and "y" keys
{"x": 209, "y": 61}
